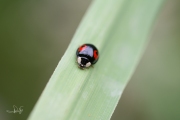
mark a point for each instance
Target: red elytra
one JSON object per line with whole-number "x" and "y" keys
{"x": 82, "y": 48}
{"x": 95, "y": 54}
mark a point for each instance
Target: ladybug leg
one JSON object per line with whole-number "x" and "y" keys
{"x": 81, "y": 68}
{"x": 77, "y": 64}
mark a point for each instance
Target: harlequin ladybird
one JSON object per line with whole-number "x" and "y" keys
{"x": 87, "y": 54}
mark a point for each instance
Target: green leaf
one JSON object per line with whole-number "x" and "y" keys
{"x": 119, "y": 29}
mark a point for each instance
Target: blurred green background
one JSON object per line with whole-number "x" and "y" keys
{"x": 35, "y": 34}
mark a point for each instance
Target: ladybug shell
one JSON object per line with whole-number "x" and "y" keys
{"x": 89, "y": 52}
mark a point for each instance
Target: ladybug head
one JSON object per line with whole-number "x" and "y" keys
{"x": 83, "y": 62}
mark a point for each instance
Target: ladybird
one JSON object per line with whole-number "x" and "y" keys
{"x": 87, "y": 55}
